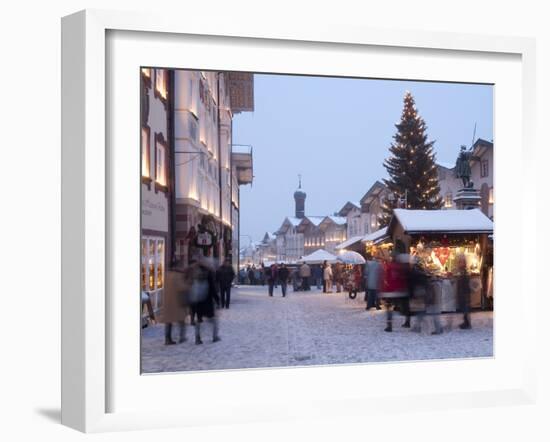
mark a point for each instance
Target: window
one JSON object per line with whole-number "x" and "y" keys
{"x": 449, "y": 200}
{"x": 161, "y": 84}
{"x": 160, "y": 160}
{"x": 491, "y": 197}
{"x": 145, "y": 152}
{"x": 374, "y": 221}
{"x": 484, "y": 168}
{"x": 152, "y": 263}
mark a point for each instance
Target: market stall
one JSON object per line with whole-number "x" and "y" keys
{"x": 378, "y": 243}
{"x": 438, "y": 239}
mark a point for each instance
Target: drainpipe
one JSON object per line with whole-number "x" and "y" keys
{"x": 172, "y": 148}
{"x": 220, "y": 163}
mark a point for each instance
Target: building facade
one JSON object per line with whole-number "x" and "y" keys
{"x": 208, "y": 171}
{"x": 156, "y": 194}
{"x": 371, "y": 206}
{"x": 190, "y": 171}
{"x": 482, "y": 168}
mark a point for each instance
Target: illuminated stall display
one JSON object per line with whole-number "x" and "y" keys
{"x": 438, "y": 237}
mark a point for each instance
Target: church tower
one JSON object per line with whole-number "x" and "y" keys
{"x": 300, "y": 200}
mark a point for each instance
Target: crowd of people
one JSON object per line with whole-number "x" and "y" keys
{"x": 402, "y": 284}
{"x": 192, "y": 294}
{"x": 397, "y": 283}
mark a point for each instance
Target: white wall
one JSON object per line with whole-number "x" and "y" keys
{"x": 30, "y": 76}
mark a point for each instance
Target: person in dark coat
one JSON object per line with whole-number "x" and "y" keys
{"x": 225, "y": 276}
{"x": 271, "y": 278}
{"x": 463, "y": 292}
{"x": 201, "y": 296}
{"x": 317, "y": 276}
{"x": 284, "y": 274}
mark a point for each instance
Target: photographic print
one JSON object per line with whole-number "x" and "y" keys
{"x": 293, "y": 220}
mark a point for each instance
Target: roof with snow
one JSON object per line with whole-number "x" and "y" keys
{"x": 444, "y": 221}
{"x": 336, "y": 219}
{"x": 348, "y": 242}
{"x": 318, "y": 257}
{"x": 348, "y": 207}
{"x": 376, "y": 236}
{"x": 315, "y": 220}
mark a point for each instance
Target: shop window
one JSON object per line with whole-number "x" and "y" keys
{"x": 152, "y": 263}
{"x": 449, "y": 200}
{"x": 484, "y": 168}
{"x": 161, "y": 84}
{"x": 160, "y": 160}
{"x": 491, "y": 197}
{"x": 145, "y": 152}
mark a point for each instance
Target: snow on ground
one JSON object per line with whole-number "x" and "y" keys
{"x": 310, "y": 328}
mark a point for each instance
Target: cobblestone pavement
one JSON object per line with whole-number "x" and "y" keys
{"x": 310, "y": 328}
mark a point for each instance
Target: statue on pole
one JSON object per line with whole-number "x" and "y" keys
{"x": 462, "y": 167}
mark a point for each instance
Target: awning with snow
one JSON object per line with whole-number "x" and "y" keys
{"x": 349, "y": 242}
{"x": 376, "y": 237}
{"x": 442, "y": 221}
{"x": 318, "y": 257}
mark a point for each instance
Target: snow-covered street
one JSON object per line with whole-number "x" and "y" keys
{"x": 309, "y": 328}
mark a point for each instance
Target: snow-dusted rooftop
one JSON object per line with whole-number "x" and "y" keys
{"x": 458, "y": 221}
{"x": 348, "y": 242}
{"x": 337, "y": 219}
{"x": 315, "y": 220}
{"x": 293, "y": 220}
{"x": 318, "y": 257}
{"x": 375, "y": 236}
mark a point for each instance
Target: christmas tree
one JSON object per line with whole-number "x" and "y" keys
{"x": 412, "y": 182}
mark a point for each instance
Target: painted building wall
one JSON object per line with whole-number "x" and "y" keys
{"x": 155, "y": 172}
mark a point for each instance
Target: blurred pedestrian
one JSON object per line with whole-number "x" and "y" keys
{"x": 146, "y": 301}
{"x": 284, "y": 274}
{"x": 323, "y": 267}
{"x": 225, "y": 276}
{"x": 394, "y": 289}
{"x": 317, "y": 276}
{"x": 251, "y": 275}
{"x": 463, "y": 292}
{"x": 201, "y": 295}
{"x": 271, "y": 276}
{"x": 373, "y": 276}
{"x": 305, "y": 274}
{"x": 175, "y": 307}
{"x": 338, "y": 276}
{"x": 327, "y": 276}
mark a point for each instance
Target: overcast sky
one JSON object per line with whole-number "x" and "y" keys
{"x": 336, "y": 132}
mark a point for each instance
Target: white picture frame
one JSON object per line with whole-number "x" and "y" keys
{"x": 87, "y": 210}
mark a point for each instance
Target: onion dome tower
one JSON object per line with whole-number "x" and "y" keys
{"x": 300, "y": 200}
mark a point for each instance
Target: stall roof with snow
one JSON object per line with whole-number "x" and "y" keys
{"x": 376, "y": 237}
{"x": 442, "y": 221}
{"x": 349, "y": 242}
{"x": 318, "y": 257}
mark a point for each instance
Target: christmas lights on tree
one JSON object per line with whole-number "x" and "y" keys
{"x": 411, "y": 166}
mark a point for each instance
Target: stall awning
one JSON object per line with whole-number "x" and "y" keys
{"x": 348, "y": 242}
{"x": 376, "y": 237}
{"x": 318, "y": 257}
{"x": 443, "y": 221}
